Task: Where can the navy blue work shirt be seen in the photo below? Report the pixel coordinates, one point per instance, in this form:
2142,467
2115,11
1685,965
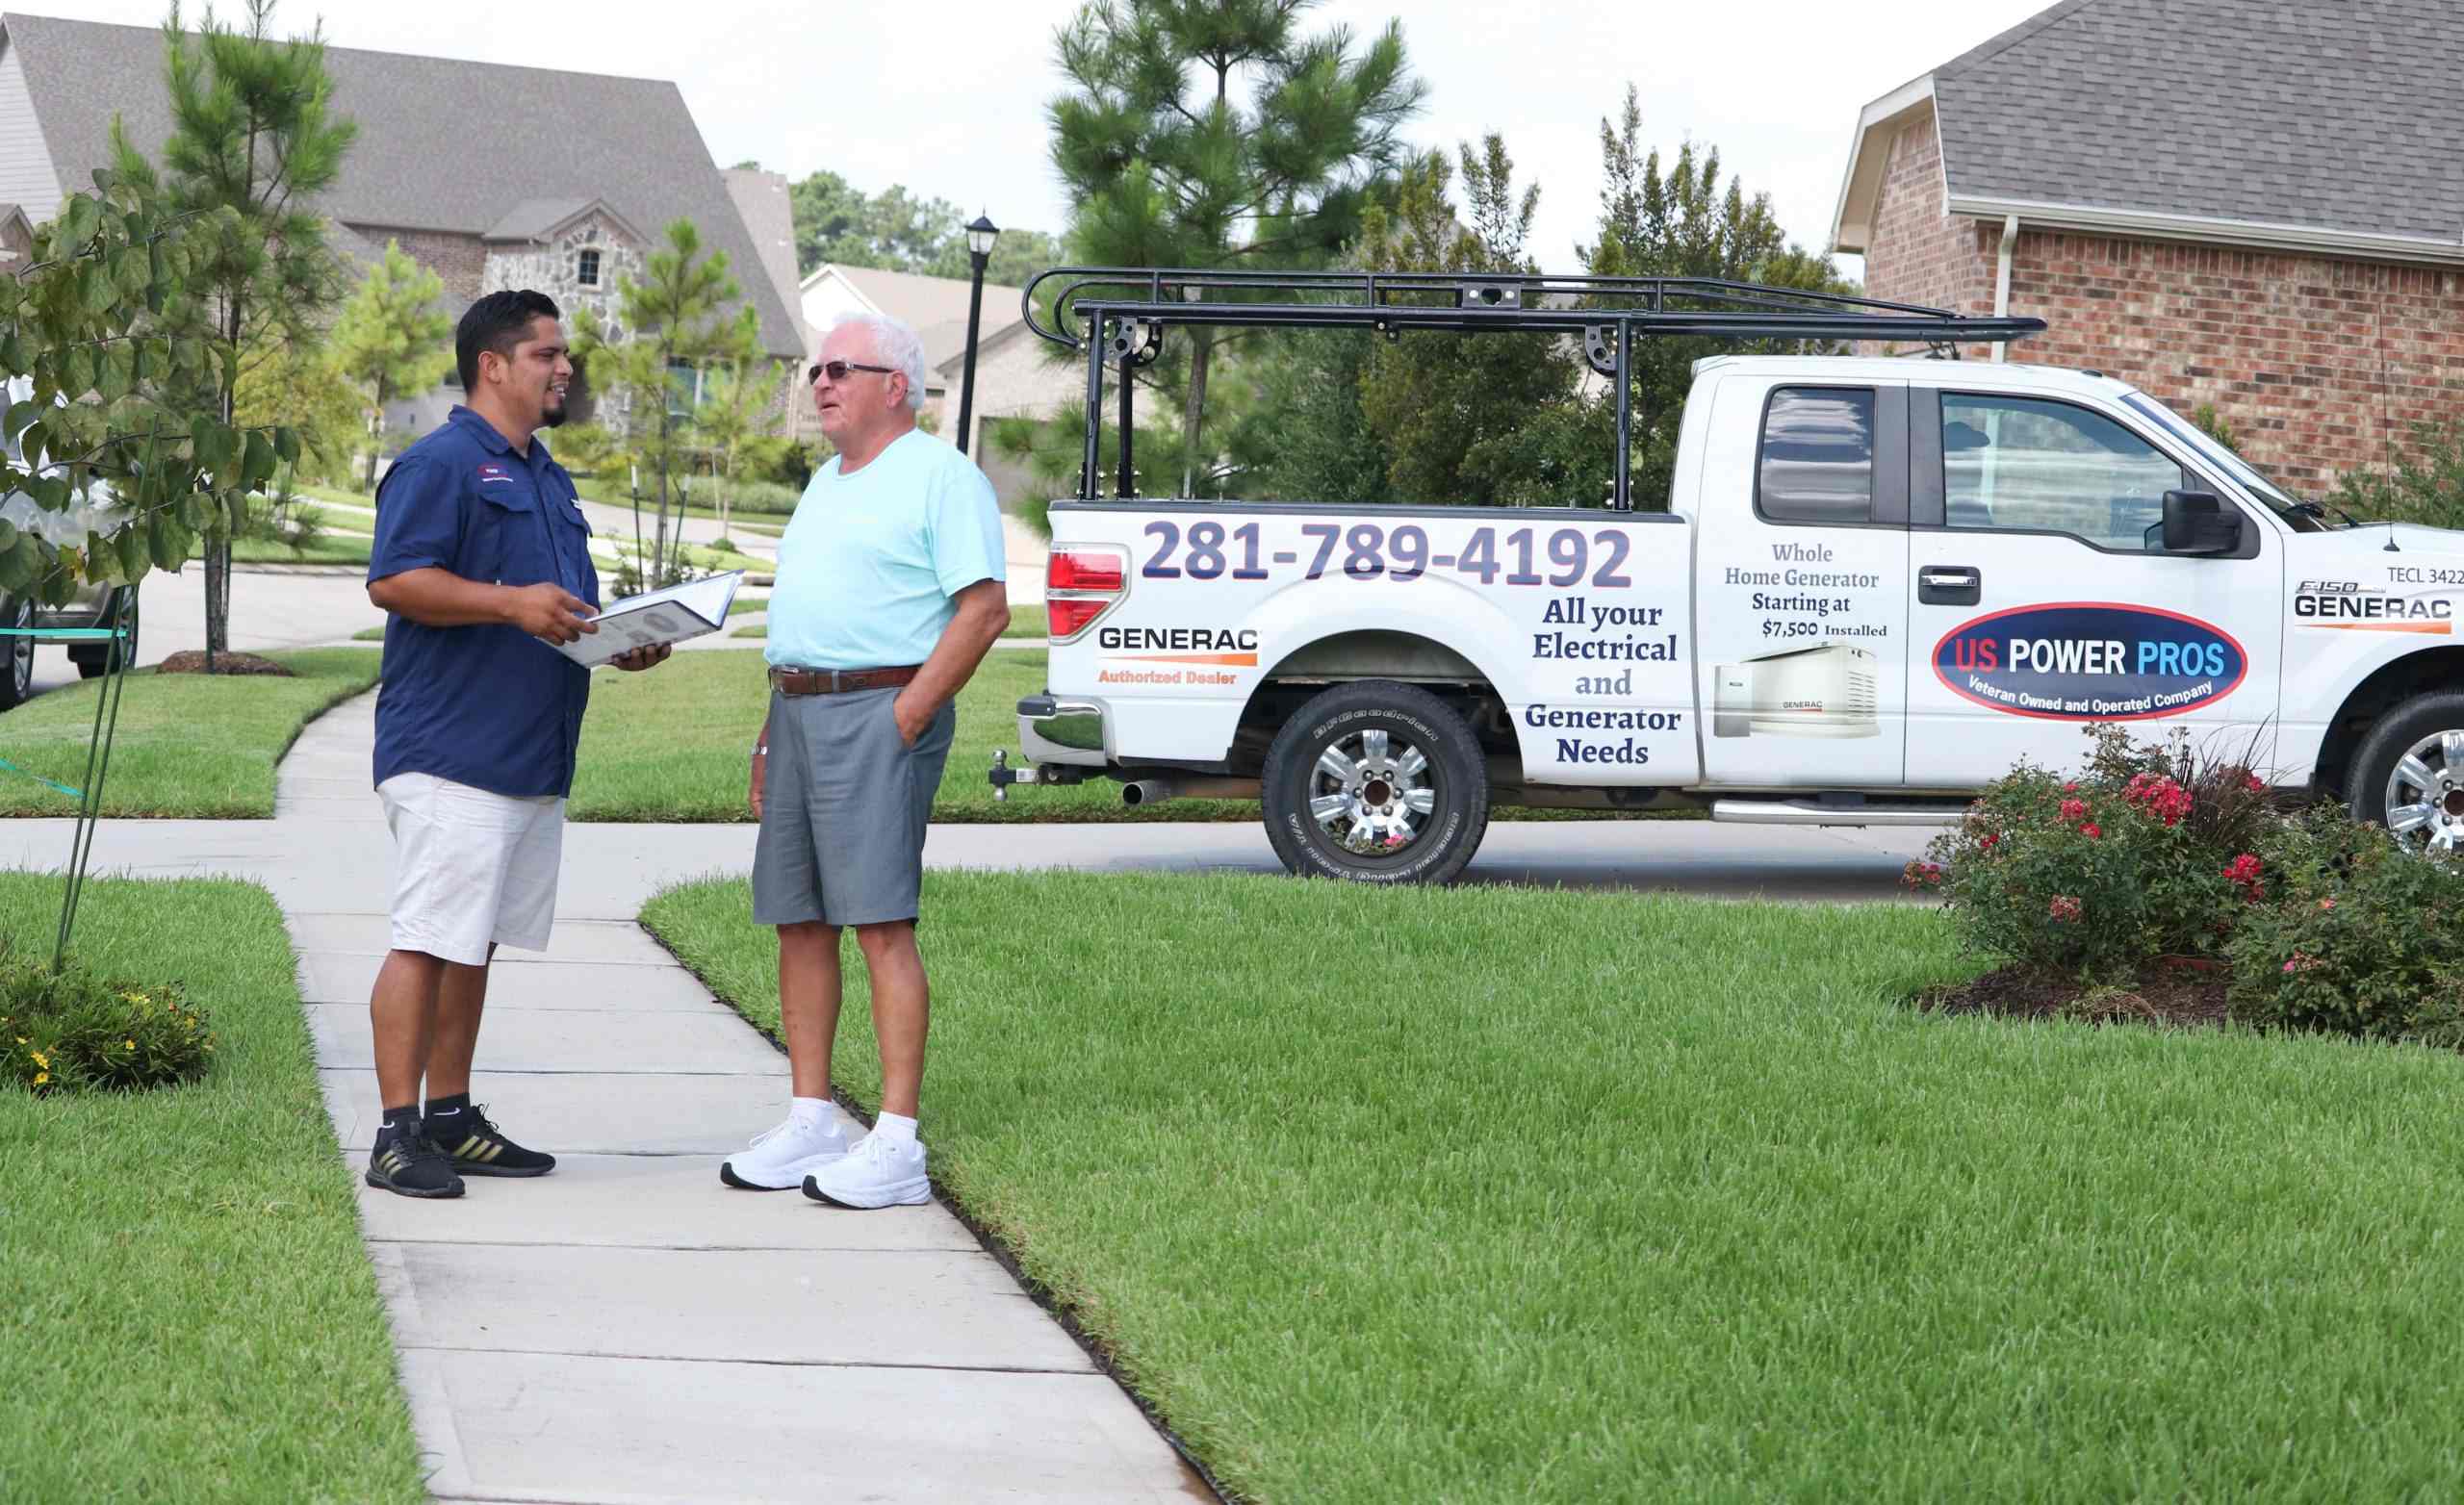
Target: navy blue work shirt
487,705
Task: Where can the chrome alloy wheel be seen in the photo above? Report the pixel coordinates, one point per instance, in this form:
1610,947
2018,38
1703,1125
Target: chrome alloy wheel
1370,792
2425,794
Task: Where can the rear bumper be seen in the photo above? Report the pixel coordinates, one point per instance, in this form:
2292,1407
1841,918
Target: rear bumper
1056,731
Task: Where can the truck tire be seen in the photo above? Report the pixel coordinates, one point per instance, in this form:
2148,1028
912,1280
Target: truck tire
2408,773
1376,783
17,668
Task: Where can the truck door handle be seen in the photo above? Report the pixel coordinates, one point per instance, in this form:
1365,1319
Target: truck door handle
1949,585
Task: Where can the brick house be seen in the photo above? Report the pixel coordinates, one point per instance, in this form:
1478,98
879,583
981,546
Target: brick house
2257,207
564,182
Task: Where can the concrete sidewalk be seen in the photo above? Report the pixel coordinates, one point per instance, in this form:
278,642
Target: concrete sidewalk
627,1329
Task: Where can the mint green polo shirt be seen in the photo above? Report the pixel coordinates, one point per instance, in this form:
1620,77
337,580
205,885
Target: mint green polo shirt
871,562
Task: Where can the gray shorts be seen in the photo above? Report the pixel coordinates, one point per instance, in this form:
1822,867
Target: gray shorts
845,807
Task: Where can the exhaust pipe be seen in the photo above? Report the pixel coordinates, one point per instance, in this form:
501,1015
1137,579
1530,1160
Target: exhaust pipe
1145,791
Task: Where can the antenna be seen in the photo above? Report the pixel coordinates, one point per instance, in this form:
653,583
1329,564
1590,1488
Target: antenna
2391,547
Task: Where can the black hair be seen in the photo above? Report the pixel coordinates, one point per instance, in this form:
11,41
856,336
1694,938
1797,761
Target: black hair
497,323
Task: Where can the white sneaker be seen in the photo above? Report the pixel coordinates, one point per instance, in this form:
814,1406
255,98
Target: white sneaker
874,1174
784,1157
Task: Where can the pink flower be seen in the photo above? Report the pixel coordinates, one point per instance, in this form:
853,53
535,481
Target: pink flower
2071,787
2073,809
2090,830
2303,961
2257,785
1985,843
2063,909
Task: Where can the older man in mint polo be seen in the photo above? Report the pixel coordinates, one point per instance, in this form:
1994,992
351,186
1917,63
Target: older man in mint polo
889,591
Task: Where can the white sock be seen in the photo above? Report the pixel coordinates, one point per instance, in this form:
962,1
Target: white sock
807,1112
895,1129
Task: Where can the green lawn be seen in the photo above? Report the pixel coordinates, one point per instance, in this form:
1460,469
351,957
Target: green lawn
1025,621
671,745
188,746
1487,1194
189,1313
329,549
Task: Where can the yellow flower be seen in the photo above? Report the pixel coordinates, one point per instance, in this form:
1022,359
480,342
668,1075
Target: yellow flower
40,1060
41,1077
131,1044
134,998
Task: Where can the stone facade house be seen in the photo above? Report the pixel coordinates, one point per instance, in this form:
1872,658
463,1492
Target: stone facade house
2257,207
604,165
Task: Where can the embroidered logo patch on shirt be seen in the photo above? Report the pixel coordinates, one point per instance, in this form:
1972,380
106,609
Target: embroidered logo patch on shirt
494,473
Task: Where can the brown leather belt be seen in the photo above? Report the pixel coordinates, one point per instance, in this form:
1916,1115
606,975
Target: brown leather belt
839,681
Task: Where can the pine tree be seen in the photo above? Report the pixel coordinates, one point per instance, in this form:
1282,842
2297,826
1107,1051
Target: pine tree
1165,168
1682,223
678,327
253,132
390,339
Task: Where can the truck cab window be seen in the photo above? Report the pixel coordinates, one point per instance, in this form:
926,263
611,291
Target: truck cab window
2032,465
1817,463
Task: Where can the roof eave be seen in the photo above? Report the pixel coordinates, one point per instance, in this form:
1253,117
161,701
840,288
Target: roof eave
2314,239
1861,187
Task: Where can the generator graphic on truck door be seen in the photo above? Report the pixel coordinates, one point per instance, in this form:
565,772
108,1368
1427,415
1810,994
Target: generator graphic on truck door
1800,692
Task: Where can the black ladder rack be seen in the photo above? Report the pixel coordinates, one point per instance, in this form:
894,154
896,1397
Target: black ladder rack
1122,311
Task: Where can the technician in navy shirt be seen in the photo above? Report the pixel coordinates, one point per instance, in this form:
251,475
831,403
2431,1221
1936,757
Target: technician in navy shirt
483,558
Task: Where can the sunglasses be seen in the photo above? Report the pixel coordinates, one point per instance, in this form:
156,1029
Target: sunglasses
837,370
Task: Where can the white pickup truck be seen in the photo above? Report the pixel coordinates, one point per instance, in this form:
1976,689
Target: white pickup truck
1878,583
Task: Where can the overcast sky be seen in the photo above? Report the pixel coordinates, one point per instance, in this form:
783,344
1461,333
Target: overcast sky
948,98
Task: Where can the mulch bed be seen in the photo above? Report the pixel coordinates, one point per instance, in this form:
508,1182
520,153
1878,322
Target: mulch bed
192,662
2179,993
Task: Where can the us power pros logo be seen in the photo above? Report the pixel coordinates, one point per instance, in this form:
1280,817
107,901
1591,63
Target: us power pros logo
2350,606
2090,661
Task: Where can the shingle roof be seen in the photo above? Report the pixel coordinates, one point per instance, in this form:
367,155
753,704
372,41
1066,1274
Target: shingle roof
762,199
2338,115
420,162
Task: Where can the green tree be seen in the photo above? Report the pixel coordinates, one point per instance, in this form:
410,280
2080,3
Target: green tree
254,138
1682,223
678,327
1496,418
115,429
1165,168
390,339
740,405
299,386
895,231
2425,483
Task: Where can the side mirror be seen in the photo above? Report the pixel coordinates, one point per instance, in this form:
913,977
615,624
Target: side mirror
2199,523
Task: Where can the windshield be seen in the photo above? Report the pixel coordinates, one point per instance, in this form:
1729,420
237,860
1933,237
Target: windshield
2300,515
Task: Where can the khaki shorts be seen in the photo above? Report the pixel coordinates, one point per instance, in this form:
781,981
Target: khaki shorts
471,867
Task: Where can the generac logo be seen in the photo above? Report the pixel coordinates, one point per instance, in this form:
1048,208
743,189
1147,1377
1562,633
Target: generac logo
1236,647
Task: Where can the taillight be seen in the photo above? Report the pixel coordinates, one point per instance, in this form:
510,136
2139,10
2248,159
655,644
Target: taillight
1085,570
1067,617
1081,584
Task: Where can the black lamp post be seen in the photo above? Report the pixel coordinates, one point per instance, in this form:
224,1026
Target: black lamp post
980,236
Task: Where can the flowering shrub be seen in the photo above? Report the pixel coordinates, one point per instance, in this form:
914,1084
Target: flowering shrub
2357,936
2152,851
71,1031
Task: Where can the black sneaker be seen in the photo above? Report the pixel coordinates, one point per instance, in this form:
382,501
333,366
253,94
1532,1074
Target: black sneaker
477,1147
411,1165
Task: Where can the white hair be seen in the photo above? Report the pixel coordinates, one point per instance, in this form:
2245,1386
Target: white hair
894,345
